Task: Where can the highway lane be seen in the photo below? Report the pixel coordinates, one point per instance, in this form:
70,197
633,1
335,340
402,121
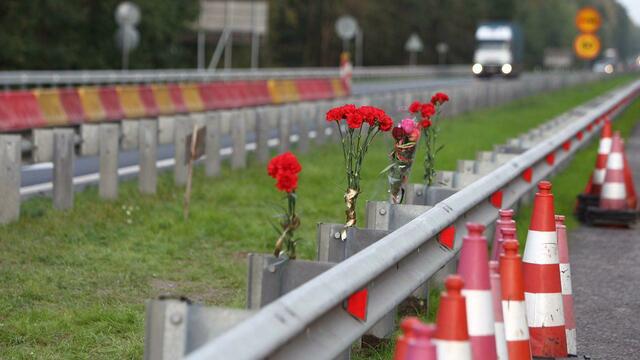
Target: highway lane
36,178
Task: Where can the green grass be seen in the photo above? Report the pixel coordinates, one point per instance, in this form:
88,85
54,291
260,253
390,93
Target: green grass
73,283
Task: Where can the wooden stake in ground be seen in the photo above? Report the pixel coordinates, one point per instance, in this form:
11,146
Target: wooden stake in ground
195,150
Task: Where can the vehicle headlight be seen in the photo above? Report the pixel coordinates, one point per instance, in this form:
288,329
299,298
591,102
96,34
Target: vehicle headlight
476,68
506,69
608,68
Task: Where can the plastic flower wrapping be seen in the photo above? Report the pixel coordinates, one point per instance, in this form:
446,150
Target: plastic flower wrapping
406,136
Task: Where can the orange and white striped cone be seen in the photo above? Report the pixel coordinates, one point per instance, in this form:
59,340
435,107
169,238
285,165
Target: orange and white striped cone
415,342
565,281
496,295
604,148
474,271
514,310
541,268
452,337
505,219
614,191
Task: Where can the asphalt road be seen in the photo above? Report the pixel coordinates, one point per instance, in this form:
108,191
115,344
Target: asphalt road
605,269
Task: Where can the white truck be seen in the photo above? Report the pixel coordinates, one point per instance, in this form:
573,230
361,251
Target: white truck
499,50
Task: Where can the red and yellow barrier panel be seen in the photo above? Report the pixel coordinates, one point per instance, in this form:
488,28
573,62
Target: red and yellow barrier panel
25,109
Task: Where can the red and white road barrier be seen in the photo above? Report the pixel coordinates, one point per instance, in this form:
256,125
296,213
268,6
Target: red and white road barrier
505,219
604,148
543,291
514,310
415,341
451,337
614,191
496,296
474,270
565,282
632,198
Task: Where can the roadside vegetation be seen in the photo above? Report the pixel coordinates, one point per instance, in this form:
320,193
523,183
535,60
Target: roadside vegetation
73,284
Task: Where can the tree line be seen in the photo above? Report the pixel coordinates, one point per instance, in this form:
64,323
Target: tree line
79,34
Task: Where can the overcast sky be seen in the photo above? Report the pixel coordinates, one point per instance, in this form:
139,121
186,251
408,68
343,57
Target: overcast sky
633,9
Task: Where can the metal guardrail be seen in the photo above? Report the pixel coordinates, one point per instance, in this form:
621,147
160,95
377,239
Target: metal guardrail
310,320
58,78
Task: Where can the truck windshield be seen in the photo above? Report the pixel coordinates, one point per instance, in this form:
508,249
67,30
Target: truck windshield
493,45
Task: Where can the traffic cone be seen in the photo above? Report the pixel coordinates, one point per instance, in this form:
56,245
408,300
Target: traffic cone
415,342
604,148
451,337
516,329
632,199
496,295
565,281
505,220
614,192
543,292
474,271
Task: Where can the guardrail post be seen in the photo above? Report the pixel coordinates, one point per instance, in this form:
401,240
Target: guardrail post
148,140
212,145
166,330
109,149
10,167
63,161
284,128
304,113
182,127
239,138
265,117
89,139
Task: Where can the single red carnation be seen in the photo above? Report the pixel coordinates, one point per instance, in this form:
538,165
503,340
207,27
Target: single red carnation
415,107
385,123
340,112
439,98
354,120
425,123
287,181
283,163
427,110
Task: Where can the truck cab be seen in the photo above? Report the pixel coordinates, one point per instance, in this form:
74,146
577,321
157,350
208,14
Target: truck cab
498,51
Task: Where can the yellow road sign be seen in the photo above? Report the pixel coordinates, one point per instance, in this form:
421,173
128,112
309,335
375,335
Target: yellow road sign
587,46
588,20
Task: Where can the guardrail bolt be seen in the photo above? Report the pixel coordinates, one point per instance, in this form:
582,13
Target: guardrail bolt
336,235
176,319
383,212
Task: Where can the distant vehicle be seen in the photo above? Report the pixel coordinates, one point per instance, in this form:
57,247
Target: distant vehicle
499,50
609,63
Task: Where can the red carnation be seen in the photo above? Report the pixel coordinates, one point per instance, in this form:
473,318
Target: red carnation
425,123
340,113
287,181
415,107
427,110
439,98
385,123
354,120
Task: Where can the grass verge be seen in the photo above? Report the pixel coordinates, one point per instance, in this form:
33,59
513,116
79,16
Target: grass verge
73,283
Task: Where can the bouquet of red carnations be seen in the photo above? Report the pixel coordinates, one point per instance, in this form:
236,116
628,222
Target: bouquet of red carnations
362,125
406,136
285,168
429,113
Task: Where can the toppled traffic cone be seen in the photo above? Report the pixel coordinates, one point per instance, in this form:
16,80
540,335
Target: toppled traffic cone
565,282
516,329
592,191
452,337
632,199
613,207
415,342
542,287
496,296
474,271
505,220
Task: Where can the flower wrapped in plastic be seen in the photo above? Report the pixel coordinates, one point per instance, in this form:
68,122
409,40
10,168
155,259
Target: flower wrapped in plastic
406,136
429,113
358,126
285,168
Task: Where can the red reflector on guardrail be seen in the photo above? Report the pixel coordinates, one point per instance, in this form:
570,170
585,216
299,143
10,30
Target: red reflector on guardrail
550,159
447,237
527,175
496,199
356,304
567,145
